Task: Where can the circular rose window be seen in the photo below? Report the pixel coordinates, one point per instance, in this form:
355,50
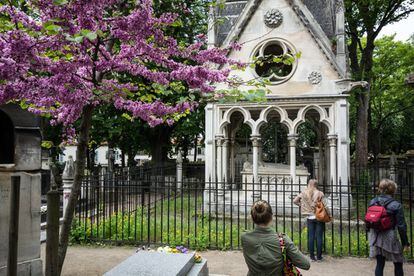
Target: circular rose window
275,60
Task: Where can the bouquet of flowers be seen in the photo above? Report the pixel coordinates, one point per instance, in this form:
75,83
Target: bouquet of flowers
179,249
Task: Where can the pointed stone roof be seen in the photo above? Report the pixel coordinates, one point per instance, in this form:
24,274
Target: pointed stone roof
229,15
317,15
323,12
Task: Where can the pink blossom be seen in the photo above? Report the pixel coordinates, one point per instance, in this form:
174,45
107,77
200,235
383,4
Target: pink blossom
74,63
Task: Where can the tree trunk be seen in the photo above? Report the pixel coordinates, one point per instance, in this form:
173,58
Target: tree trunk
195,148
79,172
363,109
131,158
122,159
159,147
362,130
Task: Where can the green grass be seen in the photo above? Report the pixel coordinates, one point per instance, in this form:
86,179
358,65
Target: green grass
180,221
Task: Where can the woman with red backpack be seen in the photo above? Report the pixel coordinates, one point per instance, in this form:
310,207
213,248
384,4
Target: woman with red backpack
385,215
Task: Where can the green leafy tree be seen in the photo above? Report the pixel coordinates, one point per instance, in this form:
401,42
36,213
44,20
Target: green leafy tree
365,20
392,101
188,131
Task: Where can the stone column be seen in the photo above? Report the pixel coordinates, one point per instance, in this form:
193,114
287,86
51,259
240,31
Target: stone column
67,181
211,35
292,153
209,151
256,144
316,165
179,170
332,157
232,160
393,173
340,34
255,167
343,159
219,159
225,160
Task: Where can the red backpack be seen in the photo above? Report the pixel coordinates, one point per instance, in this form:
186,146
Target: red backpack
377,217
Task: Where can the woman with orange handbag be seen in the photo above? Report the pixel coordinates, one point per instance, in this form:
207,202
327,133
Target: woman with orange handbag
308,200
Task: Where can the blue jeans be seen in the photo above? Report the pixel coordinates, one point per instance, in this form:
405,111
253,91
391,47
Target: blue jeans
315,232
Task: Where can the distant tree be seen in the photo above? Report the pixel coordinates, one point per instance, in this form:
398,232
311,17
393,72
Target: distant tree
189,132
392,101
364,21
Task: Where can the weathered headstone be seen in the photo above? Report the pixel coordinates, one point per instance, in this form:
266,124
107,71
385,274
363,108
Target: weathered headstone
179,170
68,176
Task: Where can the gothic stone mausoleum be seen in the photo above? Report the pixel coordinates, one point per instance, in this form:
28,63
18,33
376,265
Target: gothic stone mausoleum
268,142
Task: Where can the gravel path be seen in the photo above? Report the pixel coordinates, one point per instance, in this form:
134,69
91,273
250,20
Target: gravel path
91,261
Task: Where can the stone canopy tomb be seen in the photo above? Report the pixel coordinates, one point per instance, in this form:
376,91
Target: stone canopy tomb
248,142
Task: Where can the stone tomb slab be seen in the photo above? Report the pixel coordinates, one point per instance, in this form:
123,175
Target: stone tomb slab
146,263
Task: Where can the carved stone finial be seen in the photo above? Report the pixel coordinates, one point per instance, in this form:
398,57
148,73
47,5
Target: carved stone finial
247,166
339,6
315,78
69,171
273,18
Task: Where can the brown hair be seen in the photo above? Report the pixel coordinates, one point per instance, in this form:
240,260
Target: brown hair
261,212
387,186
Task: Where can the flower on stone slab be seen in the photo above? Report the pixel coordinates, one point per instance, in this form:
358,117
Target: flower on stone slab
197,258
182,249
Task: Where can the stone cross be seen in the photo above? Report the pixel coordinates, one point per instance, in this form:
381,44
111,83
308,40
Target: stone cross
67,180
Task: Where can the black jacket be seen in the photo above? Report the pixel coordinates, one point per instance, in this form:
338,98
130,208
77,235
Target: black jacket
395,209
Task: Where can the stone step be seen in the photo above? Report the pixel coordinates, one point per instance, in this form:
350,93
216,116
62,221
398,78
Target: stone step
199,269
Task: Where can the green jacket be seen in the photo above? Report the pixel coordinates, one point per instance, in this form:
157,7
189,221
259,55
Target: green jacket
263,255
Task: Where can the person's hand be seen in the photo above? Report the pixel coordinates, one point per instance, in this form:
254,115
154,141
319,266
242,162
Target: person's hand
406,248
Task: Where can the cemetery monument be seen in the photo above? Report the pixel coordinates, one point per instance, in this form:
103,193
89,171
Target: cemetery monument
315,88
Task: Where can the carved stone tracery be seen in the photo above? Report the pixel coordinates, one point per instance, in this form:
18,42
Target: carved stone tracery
315,77
339,6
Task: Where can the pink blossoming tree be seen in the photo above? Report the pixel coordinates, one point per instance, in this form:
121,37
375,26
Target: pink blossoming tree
64,58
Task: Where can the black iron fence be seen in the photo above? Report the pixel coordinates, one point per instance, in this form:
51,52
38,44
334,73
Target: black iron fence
158,210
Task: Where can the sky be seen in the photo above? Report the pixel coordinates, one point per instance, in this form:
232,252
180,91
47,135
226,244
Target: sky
403,29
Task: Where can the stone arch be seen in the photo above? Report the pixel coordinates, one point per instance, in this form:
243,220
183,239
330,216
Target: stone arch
6,139
227,118
284,119
324,118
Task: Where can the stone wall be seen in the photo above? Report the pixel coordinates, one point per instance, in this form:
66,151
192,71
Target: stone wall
29,262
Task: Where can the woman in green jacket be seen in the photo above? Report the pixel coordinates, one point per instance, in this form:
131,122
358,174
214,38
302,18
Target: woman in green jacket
261,247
